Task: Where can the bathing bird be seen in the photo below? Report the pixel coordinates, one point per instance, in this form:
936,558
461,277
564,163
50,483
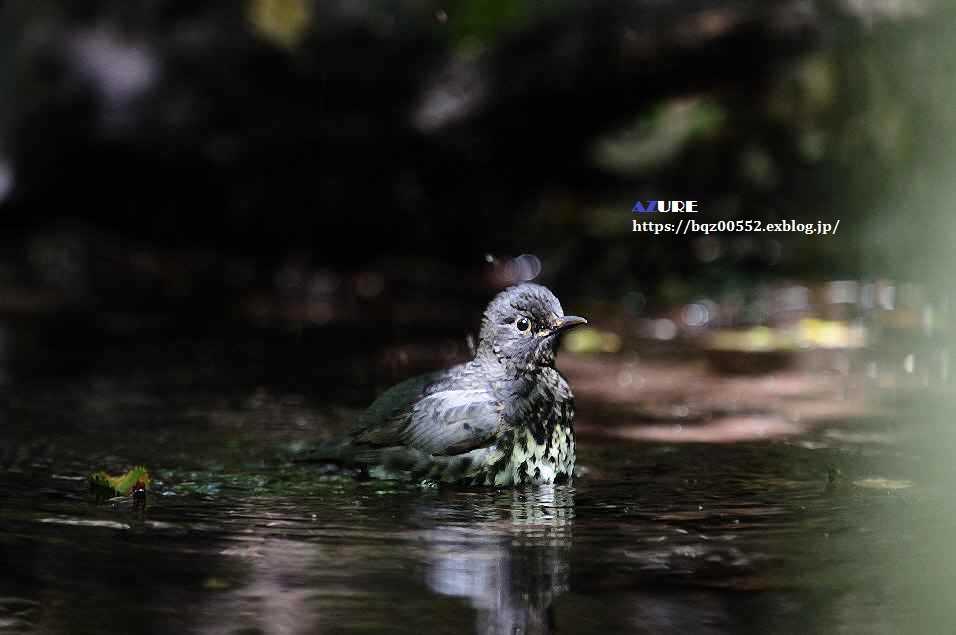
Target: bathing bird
504,418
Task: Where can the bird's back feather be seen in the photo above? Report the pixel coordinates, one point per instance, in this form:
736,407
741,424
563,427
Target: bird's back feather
439,414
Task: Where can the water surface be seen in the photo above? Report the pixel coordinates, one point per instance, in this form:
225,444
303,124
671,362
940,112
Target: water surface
782,535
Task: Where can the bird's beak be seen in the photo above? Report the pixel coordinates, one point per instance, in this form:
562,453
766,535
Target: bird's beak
568,322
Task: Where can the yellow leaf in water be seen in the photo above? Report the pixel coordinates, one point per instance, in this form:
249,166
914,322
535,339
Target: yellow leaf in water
757,339
122,484
591,340
830,334
882,483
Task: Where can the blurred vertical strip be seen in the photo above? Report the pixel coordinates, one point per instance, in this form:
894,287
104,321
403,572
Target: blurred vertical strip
916,232
8,43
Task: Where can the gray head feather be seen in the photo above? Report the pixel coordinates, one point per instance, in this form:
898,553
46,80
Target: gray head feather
521,327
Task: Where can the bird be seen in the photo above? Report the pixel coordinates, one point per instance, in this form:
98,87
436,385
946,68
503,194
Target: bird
505,418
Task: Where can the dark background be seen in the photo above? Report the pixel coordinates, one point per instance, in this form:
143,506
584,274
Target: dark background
194,160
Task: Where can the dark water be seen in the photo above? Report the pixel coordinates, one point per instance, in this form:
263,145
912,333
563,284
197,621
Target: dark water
238,538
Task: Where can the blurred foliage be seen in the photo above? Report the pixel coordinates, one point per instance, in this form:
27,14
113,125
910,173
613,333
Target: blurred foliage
473,25
284,21
380,136
658,136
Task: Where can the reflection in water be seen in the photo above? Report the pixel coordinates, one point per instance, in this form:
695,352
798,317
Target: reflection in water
506,552
267,602
510,573
716,539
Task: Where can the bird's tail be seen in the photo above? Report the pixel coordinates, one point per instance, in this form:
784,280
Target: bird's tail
335,451
336,457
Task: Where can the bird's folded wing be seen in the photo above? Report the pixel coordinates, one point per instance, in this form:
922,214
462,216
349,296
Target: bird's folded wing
453,422
395,402
445,422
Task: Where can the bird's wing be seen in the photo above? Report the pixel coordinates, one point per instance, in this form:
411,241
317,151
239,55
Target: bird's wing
441,422
453,422
376,425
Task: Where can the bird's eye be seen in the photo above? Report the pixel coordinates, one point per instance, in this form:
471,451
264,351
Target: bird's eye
522,324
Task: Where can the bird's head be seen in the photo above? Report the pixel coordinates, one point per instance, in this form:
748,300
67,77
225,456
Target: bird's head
522,326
